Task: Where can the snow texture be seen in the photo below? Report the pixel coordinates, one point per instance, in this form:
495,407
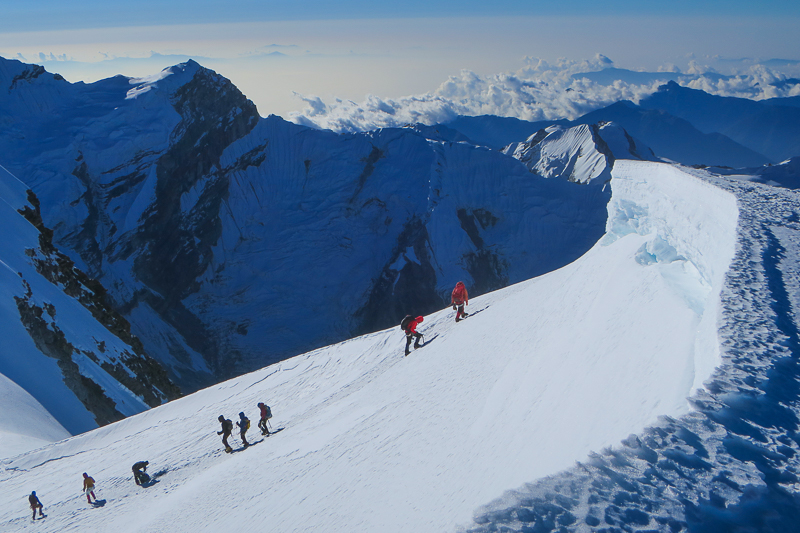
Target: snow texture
785,174
24,423
541,373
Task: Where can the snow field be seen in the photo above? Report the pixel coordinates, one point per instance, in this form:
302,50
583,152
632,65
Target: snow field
24,423
541,374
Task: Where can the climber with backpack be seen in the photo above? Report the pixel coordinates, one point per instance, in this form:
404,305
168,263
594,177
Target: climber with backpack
140,476
227,428
266,414
244,425
459,299
409,327
88,487
36,504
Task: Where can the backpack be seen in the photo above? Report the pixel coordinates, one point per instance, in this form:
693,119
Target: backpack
269,412
405,322
246,424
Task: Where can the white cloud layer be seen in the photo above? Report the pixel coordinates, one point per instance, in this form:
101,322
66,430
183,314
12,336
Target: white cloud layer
538,91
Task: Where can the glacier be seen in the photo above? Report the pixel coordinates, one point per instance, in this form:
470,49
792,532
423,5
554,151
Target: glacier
544,373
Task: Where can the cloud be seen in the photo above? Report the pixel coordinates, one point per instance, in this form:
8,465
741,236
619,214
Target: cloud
538,91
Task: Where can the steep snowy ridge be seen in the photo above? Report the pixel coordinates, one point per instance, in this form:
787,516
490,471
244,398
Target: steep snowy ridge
732,464
67,360
541,373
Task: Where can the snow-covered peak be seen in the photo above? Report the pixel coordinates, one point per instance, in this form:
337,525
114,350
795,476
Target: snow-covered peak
623,145
182,196
579,154
168,79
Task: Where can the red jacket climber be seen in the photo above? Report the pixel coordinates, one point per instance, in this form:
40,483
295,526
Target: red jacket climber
459,299
409,326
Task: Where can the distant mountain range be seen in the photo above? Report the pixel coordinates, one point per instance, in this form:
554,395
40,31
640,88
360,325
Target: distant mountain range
678,123
767,127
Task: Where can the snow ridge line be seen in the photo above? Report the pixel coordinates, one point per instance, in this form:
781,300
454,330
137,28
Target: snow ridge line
731,465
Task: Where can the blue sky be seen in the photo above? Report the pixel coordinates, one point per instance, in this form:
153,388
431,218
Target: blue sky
31,15
351,48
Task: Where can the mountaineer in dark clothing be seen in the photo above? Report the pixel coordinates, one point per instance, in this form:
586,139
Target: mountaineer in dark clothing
227,427
139,474
266,414
35,504
244,425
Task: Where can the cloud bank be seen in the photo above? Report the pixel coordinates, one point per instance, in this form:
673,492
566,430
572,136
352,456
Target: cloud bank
538,91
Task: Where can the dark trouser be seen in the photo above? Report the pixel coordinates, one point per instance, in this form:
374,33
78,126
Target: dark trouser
225,440
241,436
409,336
262,425
460,312
34,507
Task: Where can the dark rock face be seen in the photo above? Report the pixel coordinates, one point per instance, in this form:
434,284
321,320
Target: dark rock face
51,341
30,73
486,266
411,289
137,371
214,115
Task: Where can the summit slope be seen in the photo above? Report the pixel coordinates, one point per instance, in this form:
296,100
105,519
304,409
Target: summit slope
541,373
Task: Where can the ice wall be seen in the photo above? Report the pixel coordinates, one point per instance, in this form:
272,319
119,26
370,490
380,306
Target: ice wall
691,229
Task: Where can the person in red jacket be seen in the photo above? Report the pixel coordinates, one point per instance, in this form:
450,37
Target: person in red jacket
409,326
459,299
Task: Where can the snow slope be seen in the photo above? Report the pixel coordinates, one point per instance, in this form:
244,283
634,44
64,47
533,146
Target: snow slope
539,375
24,423
785,174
